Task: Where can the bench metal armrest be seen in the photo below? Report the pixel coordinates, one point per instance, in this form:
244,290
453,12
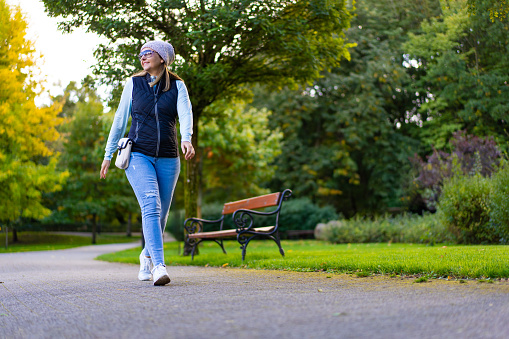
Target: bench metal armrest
194,225
243,218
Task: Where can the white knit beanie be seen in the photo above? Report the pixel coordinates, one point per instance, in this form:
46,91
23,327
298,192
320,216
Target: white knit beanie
164,49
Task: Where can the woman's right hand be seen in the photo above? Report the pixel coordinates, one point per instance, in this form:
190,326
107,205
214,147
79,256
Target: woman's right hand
104,168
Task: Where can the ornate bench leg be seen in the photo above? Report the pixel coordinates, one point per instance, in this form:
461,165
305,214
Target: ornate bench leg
277,240
192,253
243,244
193,249
243,252
220,243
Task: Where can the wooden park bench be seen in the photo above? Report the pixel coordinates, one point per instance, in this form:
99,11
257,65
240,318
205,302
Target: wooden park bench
243,212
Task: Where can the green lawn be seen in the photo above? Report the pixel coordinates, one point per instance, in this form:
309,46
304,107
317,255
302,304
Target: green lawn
43,241
362,259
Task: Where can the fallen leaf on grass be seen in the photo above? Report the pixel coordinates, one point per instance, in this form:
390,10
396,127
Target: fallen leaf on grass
224,265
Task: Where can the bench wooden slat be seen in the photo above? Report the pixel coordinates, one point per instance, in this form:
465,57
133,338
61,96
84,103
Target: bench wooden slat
252,203
227,233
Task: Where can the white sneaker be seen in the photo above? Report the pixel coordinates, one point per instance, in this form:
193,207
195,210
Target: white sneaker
145,266
161,277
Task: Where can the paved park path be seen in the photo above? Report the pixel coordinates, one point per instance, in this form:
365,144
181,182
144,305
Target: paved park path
68,294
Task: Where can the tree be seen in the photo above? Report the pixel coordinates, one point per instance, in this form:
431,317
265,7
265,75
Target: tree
220,45
462,83
28,165
238,152
347,138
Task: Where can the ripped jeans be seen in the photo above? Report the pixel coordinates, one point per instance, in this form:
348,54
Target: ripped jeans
153,181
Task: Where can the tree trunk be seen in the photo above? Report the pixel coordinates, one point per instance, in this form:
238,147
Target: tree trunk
14,235
191,183
94,228
129,225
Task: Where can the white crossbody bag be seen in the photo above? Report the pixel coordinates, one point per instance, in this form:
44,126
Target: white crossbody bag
124,153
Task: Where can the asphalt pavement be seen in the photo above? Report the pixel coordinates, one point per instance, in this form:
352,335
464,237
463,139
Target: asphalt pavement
68,294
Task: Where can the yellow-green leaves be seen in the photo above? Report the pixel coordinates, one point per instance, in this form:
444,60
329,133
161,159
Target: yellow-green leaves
28,165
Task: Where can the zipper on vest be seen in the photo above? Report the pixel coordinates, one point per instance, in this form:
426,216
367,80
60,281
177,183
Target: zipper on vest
158,131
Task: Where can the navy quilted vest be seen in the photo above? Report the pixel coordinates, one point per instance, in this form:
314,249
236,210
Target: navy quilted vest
155,121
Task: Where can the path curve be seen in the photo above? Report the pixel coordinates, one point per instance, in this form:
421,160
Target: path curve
68,294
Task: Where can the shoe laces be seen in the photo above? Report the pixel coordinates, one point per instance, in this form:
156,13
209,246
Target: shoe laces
159,267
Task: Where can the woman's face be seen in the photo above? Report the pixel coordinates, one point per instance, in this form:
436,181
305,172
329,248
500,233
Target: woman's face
151,61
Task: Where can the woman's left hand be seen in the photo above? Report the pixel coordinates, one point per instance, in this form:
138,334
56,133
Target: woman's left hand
187,149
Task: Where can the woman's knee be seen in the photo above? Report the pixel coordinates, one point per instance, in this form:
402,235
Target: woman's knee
151,203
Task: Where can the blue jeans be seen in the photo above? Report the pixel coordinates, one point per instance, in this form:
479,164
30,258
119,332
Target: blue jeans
153,181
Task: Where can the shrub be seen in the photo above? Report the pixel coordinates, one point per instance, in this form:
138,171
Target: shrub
471,154
464,209
499,204
410,228
303,214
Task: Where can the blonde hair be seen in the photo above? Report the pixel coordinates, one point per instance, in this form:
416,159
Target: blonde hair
164,72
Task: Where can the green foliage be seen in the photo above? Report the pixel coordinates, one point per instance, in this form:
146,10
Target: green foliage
311,256
220,45
237,149
463,85
499,204
303,214
475,208
498,9
464,207
347,138
408,228
469,154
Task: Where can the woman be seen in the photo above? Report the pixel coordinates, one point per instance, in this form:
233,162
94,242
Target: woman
154,98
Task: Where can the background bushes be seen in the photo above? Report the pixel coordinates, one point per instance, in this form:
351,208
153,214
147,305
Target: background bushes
499,204
473,209
464,209
409,228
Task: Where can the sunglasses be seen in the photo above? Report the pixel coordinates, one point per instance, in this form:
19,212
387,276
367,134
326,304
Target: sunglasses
146,53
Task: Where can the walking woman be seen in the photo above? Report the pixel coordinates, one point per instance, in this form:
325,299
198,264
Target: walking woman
154,98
